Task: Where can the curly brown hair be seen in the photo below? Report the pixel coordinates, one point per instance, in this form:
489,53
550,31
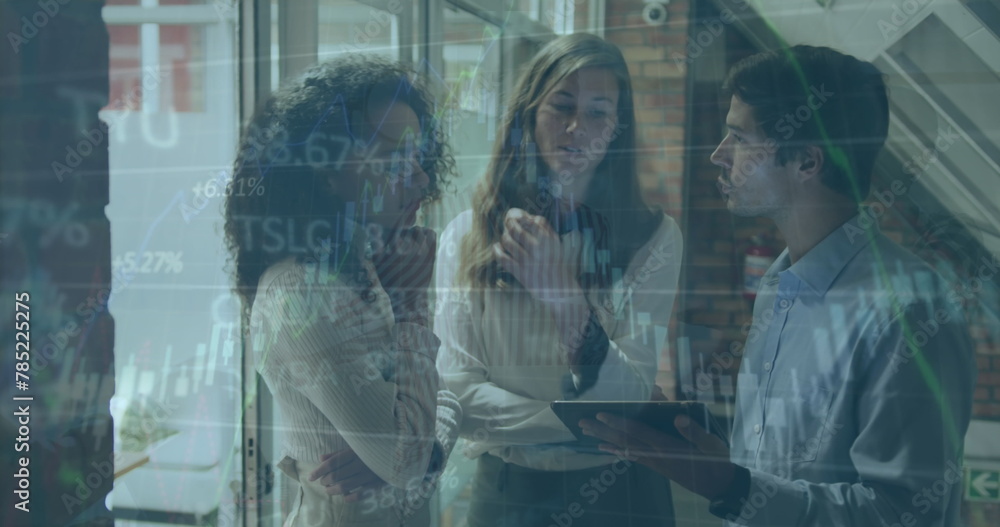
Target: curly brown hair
295,140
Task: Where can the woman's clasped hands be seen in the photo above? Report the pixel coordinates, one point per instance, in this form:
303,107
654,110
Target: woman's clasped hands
532,252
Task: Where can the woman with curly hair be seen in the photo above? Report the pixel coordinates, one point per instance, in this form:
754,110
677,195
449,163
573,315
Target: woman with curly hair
563,289
333,276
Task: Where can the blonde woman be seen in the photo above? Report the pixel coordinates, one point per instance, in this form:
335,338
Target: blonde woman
558,284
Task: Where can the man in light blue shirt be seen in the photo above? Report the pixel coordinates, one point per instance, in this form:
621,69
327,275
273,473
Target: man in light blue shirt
855,388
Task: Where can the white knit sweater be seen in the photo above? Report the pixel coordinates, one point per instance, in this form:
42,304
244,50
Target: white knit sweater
346,375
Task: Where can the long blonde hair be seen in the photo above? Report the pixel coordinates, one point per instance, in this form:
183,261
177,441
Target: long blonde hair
516,177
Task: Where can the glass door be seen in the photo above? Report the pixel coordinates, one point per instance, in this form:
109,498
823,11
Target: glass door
171,131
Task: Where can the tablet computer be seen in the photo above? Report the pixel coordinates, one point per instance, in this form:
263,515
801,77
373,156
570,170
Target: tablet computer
655,414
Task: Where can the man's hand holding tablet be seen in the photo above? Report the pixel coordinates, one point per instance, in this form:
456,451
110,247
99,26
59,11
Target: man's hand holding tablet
657,413
699,462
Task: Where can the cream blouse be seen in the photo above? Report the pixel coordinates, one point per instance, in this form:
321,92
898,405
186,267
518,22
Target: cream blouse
346,375
501,353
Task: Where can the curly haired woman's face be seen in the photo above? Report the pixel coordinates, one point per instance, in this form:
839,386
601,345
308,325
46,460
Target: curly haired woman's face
384,178
575,123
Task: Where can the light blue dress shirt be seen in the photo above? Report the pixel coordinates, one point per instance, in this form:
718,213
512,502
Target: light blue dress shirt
855,390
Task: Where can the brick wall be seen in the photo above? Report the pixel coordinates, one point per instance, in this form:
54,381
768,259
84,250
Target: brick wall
659,94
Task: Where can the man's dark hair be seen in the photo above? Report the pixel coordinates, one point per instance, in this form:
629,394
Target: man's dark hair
806,95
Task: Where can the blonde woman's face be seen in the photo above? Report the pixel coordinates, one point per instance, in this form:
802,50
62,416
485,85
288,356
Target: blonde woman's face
576,121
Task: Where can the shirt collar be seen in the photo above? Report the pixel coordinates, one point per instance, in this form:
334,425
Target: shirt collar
819,267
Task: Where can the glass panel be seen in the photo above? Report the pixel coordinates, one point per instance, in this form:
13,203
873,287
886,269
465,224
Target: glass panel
151,3
473,81
180,60
530,8
342,26
350,26
172,134
560,16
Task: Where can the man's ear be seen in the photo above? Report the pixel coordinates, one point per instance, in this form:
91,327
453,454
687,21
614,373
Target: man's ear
810,161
